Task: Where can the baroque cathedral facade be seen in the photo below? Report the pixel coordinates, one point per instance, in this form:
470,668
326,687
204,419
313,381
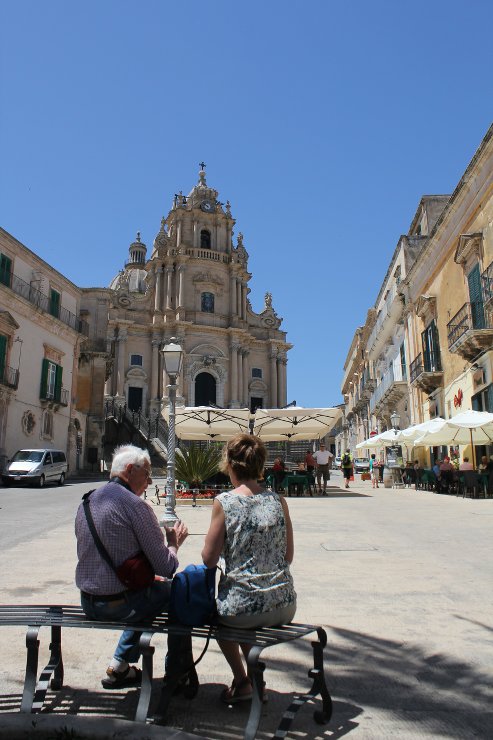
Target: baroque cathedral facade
193,287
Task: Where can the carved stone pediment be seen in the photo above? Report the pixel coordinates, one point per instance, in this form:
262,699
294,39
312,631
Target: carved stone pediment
469,249
426,307
8,323
207,278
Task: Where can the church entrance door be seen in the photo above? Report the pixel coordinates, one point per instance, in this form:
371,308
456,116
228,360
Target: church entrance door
205,389
134,398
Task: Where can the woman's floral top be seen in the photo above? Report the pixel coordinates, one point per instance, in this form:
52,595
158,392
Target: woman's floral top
255,576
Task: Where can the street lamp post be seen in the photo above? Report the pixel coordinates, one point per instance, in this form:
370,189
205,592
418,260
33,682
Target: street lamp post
172,358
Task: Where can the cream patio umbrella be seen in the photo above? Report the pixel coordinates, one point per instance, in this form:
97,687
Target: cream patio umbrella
294,423
384,439
410,434
209,422
468,427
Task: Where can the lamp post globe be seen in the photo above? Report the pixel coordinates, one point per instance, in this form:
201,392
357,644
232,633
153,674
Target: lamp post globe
172,360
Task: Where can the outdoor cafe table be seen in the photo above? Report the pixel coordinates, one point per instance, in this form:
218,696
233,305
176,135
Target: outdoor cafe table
292,479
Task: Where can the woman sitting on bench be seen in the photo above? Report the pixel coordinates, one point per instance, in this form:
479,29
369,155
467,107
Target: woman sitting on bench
251,530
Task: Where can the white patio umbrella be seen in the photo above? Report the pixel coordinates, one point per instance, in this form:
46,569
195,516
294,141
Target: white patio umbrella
209,422
384,439
294,423
468,427
410,434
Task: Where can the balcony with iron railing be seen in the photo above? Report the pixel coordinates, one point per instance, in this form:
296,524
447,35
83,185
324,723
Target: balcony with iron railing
9,377
388,316
391,388
43,302
470,332
427,373
487,284
56,397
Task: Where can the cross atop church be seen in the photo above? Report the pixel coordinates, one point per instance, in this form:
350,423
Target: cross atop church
202,165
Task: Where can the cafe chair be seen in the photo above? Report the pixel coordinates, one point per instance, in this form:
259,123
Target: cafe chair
470,483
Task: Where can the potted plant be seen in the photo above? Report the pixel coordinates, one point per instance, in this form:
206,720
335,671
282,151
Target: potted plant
194,465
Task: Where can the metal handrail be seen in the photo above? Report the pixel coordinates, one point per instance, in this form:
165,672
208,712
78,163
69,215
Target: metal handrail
43,302
470,316
9,377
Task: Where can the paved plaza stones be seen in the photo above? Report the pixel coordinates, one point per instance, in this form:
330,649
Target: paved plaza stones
401,580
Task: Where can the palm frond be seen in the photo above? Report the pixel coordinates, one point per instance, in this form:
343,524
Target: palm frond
195,465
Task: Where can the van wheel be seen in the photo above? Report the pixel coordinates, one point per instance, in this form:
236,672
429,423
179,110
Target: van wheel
62,479
41,481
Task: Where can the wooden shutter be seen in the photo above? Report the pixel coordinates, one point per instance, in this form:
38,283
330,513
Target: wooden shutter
58,382
476,298
3,355
5,269
44,378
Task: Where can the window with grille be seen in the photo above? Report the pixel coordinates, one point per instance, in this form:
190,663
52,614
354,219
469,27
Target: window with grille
256,372
136,360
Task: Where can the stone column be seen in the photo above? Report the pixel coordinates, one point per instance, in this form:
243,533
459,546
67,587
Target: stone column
279,381
246,376
273,379
238,298
122,351
284,398
181,286
233,295
195,235
233,366
169,285
157,290
243,301
240,377
155,369
178,234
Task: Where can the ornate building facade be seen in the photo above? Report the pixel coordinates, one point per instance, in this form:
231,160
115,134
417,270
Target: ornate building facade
194,287
426,348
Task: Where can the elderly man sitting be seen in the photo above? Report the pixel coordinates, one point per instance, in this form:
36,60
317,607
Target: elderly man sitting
126,525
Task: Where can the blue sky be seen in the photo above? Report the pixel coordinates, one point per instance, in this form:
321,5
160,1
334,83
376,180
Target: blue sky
322,122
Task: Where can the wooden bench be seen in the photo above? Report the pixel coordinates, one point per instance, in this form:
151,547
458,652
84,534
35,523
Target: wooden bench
58,616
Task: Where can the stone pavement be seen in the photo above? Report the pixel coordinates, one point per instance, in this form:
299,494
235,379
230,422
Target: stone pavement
402,581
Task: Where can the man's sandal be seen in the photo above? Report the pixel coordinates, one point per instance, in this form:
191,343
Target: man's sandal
131,676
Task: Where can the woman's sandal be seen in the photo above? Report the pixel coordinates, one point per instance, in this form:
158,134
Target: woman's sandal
233,694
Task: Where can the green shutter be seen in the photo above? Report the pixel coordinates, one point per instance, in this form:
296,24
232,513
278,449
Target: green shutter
58,382
54,303
3,355
476,298
44,378
5,269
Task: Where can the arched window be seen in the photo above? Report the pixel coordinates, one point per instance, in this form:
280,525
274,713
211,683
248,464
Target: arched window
207,302
205,239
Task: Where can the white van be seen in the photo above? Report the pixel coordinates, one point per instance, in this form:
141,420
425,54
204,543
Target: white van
36,467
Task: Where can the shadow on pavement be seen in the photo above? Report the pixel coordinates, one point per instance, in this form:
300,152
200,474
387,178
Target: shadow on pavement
430,695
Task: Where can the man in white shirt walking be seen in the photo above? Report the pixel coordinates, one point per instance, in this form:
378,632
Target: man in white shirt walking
323,458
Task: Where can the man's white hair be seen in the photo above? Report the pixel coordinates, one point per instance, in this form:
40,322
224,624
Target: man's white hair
128,455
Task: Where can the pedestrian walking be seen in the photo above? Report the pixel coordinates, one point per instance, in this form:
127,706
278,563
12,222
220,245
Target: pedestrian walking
322,458
347,466
374,471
